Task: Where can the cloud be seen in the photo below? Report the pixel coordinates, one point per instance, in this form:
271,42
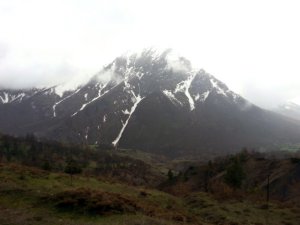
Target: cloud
106,75
53,41
176,62
3,51
40,75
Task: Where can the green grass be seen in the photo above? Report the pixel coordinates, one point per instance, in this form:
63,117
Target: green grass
22,190
25,194
241,212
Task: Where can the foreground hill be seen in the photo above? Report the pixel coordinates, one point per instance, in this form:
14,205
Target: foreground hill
33,196
150,101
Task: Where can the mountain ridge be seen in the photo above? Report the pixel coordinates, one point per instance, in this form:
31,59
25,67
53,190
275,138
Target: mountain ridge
149,101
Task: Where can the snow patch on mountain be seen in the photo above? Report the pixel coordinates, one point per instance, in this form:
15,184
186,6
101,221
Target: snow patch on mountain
184,87
138,99
202,97
20,97
126,112
171,96
100,94
9,98
87,133
187,93
4,99
57,103
140,75
48,91
217,87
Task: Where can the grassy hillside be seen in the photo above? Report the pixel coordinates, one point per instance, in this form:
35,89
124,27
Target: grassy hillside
36,195
33,196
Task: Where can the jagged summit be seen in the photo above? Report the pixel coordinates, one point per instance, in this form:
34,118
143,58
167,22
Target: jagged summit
154,101
151,71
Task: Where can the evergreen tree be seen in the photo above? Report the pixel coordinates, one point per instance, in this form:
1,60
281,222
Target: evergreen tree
170,175
72,168
235,174
208,173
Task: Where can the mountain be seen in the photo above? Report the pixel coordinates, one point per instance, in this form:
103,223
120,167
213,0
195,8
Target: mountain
151,101
289,109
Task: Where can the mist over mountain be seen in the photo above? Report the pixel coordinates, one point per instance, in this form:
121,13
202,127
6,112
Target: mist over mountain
153,101
290,109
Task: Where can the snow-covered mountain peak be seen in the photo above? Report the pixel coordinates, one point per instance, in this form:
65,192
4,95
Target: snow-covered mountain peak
149,62
129,78
166,72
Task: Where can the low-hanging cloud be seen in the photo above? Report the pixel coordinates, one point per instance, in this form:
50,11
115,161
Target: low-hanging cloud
178,63
40,75
271,96
3,51
39,49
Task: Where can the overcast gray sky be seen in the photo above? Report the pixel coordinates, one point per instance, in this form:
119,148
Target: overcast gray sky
252,46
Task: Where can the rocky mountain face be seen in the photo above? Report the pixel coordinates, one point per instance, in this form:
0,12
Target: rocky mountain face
149,101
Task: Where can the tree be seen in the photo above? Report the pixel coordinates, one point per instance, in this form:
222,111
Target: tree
46,165
208,173
170,175
235,174
72,168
